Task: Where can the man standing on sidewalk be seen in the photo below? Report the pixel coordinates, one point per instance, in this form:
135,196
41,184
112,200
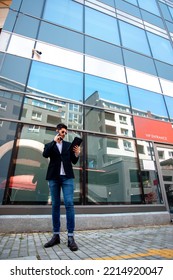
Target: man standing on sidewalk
60,175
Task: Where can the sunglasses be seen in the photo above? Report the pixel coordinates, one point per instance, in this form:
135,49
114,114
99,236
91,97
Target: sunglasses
64,132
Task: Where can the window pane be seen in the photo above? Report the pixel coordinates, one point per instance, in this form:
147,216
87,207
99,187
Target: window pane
149,178
169,104
10,20
134,2
155,20
164,70
149,5
164,52
148,104
60,36
103,50
50,111
165,11
101,26
17,74
66,12
34,10
134,38
108,122
59,81
7,135
109,162
108,2
10,104
106,93
127,8
139,62
26,26
28,183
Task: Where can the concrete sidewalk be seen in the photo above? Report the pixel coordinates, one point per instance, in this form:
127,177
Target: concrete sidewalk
139,243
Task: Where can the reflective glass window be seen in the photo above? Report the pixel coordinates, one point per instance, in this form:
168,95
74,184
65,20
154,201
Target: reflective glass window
110,162
7,135
169,26
164,52
103,50
10,20
165,11
127,8
49,111
148,173
34,10
148,103
149,5
106,93
134,2
28,180
60,36
59,81
134,38
14,77
164,70
67,13
16,4
109,121
155,20
108,2
139,62
169,104
10,104
26,26
171,11
101,26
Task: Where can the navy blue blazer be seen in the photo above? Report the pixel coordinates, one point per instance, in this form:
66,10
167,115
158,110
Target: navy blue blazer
66,156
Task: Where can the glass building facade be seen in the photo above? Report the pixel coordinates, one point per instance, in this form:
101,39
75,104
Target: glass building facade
105,68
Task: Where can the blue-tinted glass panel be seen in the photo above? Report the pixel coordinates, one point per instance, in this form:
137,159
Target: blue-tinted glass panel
99,91
59,36
103,50
127,8
164,70
10,21
164,52
35,9
67,13
171,11
149,5
165,11
101,26
139,62
26,26
169,104
55,80
134,2
108,2
169,26
15,69
15,4
147,103
155,20
134,38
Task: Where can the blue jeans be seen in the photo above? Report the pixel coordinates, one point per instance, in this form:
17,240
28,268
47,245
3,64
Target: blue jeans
55,191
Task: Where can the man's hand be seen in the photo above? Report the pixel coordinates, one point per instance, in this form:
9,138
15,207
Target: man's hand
57,138
76,150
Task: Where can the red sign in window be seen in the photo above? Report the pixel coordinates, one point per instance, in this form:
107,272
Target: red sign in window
153,130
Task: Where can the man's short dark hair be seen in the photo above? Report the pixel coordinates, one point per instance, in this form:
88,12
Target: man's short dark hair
60,126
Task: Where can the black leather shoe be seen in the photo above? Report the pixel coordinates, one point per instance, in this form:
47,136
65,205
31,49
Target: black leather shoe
72,244
55,240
